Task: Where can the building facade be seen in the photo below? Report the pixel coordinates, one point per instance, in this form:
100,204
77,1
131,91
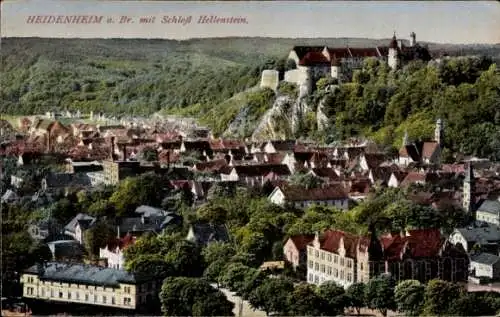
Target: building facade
57,282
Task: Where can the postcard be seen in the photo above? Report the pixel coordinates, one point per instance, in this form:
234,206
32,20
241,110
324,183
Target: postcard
250,158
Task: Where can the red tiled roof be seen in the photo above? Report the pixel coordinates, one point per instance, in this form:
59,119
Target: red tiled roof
301,241
331,241
314,58
429,148
275,158
295,193
211,166
419,243
364,52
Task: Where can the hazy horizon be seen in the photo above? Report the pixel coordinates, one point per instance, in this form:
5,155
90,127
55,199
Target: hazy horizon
440,22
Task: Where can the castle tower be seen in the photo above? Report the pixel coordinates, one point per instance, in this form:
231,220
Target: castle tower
413,38
335,68
438,132
393,55
468,188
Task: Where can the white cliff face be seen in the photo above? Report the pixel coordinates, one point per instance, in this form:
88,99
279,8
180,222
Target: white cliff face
275,123
321,118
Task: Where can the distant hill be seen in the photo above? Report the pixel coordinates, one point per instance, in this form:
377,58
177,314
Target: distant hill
142,76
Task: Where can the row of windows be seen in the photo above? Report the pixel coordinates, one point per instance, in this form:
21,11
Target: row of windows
336,259
78,296
31,280
332,271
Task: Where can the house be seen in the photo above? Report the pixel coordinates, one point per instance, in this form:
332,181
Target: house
382,174
44,229
147,223
113,251
481,234
274,146
428,152
489,211
295,249
253,175
396,178
78,225
330,195
370,161
485,265
328,175
148,211
104,289
204,233
64,180
417,254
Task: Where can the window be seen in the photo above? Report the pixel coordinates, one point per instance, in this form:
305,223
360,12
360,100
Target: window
317,253
104,299
349,263
336,273
86,297
311,264
322,255
311,277
322,268
77,295
342,261
113,300
95,298
329,270
316,279
335,259
43,291
316,266
60,295
51,292
127,301
349,277
69,295
361,266
341,274
329,258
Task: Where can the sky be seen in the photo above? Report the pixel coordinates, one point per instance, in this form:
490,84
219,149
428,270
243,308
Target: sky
434,21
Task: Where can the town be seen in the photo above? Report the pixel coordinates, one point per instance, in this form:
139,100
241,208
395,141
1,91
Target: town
108,214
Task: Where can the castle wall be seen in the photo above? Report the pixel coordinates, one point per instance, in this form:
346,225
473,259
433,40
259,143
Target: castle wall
269,79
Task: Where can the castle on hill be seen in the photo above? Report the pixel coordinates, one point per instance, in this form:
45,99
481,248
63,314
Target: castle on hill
315,62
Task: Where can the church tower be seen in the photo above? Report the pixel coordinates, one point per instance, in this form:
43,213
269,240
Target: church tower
438,132
468,189
393,56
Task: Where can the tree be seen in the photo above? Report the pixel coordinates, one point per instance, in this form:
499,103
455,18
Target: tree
151,266
212,214
334,298
214,305
409,297
304,301
214,271
253,279
306,180
439,297
218,251
272,295
184,296
98,236
379,294
186,259
356,296
234,276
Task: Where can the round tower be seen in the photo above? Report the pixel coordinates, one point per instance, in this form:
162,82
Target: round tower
393,56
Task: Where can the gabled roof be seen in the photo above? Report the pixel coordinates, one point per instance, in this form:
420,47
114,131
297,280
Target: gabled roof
330,192
301,241
480,234
261,169
429,148
301,51
283,145
485,258
416,244
490,206
205,233
72,224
